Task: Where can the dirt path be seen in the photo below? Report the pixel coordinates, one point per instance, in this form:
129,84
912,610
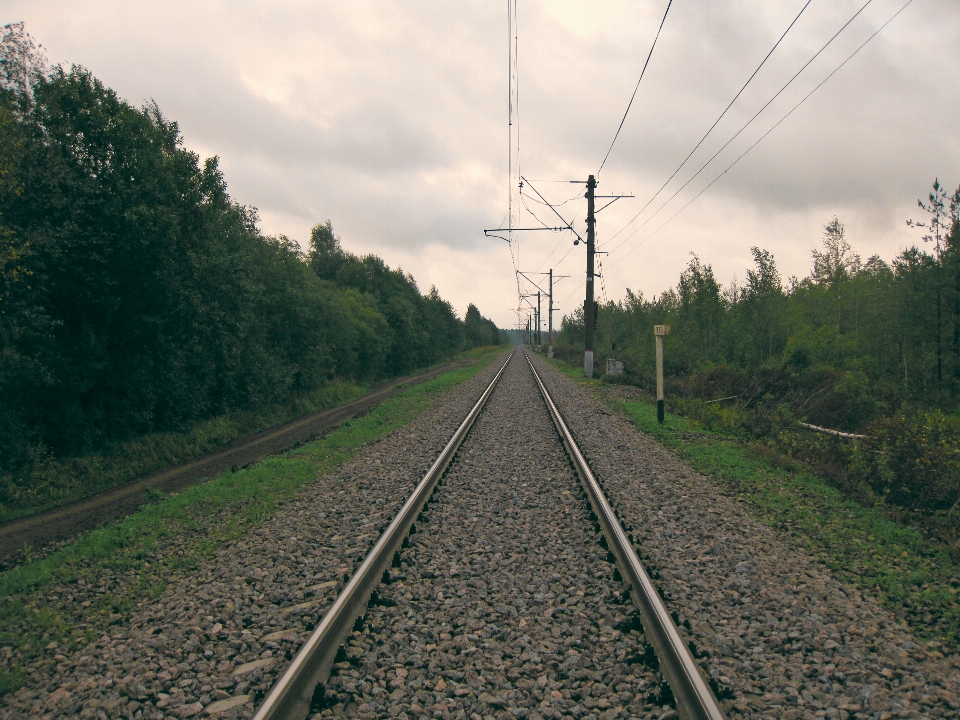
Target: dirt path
65,522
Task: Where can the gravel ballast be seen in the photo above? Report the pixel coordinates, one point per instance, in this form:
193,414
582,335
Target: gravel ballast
785,637
504,603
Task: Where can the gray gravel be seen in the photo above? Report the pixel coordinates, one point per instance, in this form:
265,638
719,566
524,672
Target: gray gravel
783,636
504,604
216,639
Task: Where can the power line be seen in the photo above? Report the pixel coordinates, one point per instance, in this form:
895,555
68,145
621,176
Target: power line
579,285
744,127
632,97
744,153
721,116
524,203
560,204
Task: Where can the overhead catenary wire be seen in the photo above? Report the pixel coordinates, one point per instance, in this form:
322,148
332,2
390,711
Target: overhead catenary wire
541,202
633,97
513,159
775,126
738,133
576,213
719,118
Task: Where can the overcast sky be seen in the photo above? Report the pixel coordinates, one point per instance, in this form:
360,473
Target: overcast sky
390,119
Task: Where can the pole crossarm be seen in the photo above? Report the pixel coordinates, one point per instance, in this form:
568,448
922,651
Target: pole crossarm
567,225
534,282
492,232
612,201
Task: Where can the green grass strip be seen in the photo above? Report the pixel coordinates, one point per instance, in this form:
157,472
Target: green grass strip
911,576
218,511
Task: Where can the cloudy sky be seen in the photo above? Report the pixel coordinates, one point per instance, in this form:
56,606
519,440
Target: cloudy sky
390,119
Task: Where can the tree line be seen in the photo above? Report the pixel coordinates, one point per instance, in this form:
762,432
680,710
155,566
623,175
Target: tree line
137,296
864,346
883,335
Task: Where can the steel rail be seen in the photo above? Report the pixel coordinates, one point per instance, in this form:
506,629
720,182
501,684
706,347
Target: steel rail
292,694
695,700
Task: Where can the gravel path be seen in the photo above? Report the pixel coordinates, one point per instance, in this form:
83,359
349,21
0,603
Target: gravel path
784,638
504,604
216,640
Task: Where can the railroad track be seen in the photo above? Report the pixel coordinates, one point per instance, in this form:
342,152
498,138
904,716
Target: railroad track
498,574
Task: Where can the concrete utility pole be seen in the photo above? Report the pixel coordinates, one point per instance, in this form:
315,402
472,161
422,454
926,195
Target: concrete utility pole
588,303
539,310
539,319
550,319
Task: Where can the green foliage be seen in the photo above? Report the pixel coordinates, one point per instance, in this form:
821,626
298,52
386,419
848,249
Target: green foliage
137,298
47,481
909,461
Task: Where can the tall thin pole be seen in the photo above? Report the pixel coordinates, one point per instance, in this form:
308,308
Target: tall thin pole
550,320
510,123
588,303
539,319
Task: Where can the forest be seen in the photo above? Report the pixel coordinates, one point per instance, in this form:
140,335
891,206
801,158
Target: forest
868,347
136,296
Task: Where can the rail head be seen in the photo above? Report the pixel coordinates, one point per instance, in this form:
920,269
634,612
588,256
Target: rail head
291,695
695,699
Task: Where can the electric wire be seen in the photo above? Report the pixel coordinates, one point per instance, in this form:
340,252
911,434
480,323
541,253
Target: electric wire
788,114
527,208
717,121
583,278
633,97
556,205
744,127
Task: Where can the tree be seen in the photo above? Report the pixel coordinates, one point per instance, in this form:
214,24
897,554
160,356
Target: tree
938,225
763,302
701,306
22,62
326,256
838,261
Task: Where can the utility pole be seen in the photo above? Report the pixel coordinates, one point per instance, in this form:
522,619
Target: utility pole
588,303
550,320
550,307
539,320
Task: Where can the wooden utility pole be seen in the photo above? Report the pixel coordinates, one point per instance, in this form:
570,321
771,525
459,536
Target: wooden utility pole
588,303
659,331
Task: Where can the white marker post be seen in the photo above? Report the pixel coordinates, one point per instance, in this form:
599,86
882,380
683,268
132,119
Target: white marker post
659,331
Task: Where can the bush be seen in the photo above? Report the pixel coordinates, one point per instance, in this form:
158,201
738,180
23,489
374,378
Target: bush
912,460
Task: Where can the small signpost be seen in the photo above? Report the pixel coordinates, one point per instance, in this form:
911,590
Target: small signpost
659,331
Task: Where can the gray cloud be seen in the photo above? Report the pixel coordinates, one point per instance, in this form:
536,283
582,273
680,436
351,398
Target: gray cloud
390,119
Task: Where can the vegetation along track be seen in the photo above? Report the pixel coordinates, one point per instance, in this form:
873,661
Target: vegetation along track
504,602
65,522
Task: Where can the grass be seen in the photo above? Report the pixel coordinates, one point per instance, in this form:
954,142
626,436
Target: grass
910,575
51,482
137,548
